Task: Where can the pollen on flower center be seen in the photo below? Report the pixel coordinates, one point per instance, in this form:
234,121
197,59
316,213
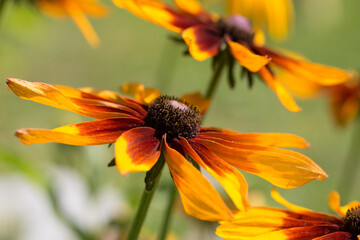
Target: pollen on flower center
238,28
174,117
352,222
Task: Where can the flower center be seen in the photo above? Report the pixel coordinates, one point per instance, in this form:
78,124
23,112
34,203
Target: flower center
174,117
352,222
238,28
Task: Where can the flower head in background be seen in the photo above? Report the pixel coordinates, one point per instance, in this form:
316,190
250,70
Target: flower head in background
155,124
231,38
296,223
77,10
275,15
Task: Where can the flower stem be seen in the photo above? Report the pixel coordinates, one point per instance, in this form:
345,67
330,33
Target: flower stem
219,66
166,220
145,203
346,183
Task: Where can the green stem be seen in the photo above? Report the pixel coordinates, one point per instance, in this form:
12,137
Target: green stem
346,183
145,203
166,220
215,78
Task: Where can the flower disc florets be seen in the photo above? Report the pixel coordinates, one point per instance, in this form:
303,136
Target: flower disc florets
238,28
352,222
173,116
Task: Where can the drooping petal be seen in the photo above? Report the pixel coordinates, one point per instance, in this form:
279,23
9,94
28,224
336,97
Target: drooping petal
278,198
198,196
283,168
159,13
197,100
284,96
137,150
86,133
335,236
334,203
317,73
204,41
245,57
264,139
140,93
64,98
232,180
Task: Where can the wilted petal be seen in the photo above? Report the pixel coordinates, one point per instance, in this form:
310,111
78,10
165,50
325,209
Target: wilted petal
204,41
86,133
198,196
137,150
334,203
283,168
231,179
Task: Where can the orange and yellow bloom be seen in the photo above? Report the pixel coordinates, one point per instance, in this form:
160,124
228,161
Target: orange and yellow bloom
77,10
276,15
155,124
208,35
295,223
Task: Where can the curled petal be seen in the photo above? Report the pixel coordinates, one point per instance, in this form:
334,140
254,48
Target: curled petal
137,150
232,180
204,41
263,139
140,93
198,100
198,196
334,203
87,133
283,168
284,96
245,57
278,198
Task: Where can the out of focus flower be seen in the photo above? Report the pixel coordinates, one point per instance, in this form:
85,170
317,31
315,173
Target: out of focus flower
155,124
275,15
296,223
209,36
77,11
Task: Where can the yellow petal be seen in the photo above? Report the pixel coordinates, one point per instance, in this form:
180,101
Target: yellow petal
277,197
334,203
198,196
140,93
197,100
137,150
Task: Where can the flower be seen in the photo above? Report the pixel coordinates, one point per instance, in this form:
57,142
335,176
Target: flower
276,15
208,36
296,223
155,124
77,10
345,100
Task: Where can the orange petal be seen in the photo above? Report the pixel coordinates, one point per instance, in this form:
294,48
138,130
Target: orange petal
64,98
245,57
334,203
335,236
283,168
86,133
284,96
278,198
232,180
137,150
198,196
140,93
190,6
264,139
159,13
316,73
203,40
197,100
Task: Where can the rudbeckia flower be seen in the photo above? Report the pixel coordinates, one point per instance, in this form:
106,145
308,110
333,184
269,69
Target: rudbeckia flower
155,124
296,223
276,15
345,100
209,36
77,10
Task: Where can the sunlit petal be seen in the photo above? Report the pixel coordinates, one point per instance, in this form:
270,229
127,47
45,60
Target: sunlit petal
197,100
277,197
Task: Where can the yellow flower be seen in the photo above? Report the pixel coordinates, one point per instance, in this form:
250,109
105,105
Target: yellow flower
77,10
295,223
208,36
152,124
276,15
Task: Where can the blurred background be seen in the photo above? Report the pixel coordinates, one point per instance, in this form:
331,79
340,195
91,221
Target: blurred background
54,191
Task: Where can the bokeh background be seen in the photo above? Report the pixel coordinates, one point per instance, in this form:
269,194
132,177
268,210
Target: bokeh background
54,191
